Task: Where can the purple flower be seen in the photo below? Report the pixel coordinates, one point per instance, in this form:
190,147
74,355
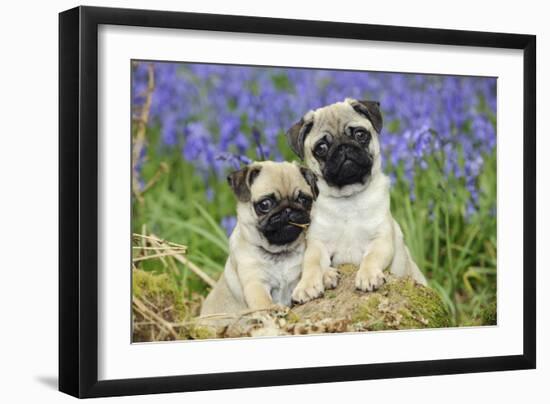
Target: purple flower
197,141
233,160
169,130
228,115
228,223
209,194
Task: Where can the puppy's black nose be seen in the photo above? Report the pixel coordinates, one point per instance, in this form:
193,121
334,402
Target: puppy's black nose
288,210
346,148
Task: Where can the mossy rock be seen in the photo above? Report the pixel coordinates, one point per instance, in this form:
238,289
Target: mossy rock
399,304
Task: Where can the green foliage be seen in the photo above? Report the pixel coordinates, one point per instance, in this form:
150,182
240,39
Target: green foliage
456,251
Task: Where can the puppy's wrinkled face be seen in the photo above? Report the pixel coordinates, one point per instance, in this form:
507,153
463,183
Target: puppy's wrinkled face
275,199
339,142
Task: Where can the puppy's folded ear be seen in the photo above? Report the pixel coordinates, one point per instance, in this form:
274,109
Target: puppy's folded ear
370,110
241,180
296,136
311,179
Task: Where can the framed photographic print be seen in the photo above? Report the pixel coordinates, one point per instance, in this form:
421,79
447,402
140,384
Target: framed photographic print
241,195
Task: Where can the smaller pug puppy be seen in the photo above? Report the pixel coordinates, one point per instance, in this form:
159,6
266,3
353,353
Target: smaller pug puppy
352,222
274,201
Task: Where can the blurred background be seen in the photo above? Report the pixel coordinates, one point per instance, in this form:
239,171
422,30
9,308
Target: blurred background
194,123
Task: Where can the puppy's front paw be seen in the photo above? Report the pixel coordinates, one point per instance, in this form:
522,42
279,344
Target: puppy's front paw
369,280
330,278
308,289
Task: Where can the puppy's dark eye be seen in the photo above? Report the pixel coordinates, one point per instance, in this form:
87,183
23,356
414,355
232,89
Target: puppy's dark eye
303,200
264,206
361,135
321,149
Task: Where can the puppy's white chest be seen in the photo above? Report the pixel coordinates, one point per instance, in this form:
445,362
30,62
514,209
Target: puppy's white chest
346,227
283,277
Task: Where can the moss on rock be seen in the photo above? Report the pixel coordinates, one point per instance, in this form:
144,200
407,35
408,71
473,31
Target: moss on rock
401,303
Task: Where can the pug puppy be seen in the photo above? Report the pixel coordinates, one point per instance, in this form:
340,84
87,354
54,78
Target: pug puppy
351,218
274,201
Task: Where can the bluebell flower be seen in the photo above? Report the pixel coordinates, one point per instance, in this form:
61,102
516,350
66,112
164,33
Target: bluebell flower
209,194
228,223
169,130
470,209
242,111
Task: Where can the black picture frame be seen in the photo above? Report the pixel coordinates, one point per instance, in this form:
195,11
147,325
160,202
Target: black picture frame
78,200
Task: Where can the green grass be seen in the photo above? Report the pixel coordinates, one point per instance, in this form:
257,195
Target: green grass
457,254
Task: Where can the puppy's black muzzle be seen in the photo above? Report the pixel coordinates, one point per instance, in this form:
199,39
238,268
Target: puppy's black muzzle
277,228
347,163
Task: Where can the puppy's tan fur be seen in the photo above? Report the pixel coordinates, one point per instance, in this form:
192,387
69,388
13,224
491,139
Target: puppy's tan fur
258,274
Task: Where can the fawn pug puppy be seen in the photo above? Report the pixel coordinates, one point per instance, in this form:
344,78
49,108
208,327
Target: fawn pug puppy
351,218
267,245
